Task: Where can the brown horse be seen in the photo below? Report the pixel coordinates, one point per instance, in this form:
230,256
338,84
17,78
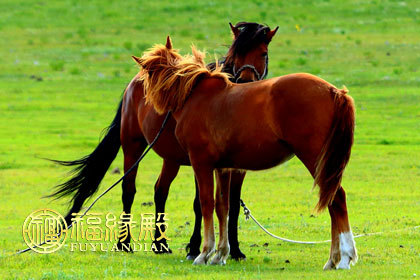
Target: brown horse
254,126
136,124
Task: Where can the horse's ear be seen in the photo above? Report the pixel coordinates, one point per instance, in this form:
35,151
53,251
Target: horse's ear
137,60
235,30
271,33
168,43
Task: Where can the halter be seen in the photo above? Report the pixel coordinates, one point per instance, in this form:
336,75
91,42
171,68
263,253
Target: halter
236,74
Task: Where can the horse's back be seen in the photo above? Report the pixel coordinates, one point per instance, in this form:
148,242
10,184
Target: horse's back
302,85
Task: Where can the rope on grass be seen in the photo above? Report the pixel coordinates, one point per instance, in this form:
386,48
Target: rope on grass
248,215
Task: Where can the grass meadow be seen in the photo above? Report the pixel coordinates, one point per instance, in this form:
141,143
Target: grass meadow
63,68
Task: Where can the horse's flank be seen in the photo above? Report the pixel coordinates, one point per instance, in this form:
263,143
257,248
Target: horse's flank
168,77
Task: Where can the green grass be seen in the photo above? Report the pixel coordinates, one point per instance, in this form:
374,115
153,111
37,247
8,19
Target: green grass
64,64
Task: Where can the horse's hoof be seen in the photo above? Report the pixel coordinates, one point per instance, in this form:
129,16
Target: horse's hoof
344,263
329,265
200,260
192,253
191,257
218,260
204,257
237,255
343,266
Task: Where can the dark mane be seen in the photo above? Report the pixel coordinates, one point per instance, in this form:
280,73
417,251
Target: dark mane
251,35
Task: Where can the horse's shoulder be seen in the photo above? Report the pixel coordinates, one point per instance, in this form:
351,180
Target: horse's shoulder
212,83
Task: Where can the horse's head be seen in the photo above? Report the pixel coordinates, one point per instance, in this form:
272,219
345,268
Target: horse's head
247,59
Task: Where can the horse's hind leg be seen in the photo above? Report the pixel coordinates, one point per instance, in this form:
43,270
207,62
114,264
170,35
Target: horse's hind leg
335,244
167,175
343,249
222,208
193,248
132,151
237,178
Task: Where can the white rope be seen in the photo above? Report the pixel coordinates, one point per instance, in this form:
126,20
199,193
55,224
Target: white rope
248,215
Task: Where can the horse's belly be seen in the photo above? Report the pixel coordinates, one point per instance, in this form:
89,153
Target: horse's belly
260,156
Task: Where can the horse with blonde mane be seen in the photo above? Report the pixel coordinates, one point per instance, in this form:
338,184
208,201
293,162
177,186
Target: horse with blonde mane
136,124
254,126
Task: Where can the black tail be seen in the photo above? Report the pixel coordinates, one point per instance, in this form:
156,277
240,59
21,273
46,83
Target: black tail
90,170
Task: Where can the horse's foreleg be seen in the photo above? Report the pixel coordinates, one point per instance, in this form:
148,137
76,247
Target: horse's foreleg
193,248
237,178
167,175
204,177
132,151
222,209
343,249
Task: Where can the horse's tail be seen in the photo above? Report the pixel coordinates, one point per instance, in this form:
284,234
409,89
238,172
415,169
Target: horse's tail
335,154
90,170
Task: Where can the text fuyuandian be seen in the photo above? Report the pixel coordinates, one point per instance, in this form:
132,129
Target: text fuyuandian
45,231
90,229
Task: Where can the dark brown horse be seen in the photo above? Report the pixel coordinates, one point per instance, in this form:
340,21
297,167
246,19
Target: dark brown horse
136,124
254,126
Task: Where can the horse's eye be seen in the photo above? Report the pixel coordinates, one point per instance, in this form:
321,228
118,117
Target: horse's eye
264,54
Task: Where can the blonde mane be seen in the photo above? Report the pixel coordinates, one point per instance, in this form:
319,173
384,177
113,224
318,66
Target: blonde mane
169,77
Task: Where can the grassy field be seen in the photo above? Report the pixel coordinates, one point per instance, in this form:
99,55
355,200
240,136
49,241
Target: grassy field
64,65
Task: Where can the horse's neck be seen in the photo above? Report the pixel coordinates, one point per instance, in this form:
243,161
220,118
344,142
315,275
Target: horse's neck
227,68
